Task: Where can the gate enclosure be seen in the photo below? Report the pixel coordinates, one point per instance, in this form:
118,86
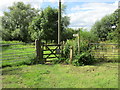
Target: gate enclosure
47,53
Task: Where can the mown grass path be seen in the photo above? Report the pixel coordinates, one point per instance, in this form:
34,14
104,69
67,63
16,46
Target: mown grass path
104,75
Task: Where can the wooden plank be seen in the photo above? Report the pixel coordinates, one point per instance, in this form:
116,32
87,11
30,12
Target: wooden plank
104,56
49,57
20,48
53,45
50,50
16,44
102,44
13,58
51,54
16,53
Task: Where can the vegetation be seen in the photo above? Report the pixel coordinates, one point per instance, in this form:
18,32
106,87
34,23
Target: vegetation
45,25
85,56
107,27
24,23
104,75
15,22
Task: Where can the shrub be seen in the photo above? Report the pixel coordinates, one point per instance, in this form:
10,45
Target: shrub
66,49
85,58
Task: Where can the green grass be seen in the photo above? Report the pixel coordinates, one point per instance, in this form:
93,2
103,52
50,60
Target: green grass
17,54
104,75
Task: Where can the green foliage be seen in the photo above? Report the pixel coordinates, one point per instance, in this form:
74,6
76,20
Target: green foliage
45,26
15,22
88,36
67,34
66,49
85,58
103,28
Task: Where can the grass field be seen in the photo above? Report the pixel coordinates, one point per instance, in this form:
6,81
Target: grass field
17,54
104,75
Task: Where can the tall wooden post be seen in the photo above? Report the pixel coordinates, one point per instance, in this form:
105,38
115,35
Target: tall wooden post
39,53
59,21
71,54
79,42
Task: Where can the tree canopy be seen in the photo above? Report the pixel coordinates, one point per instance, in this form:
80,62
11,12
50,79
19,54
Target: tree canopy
106,28
24,23
45,25
15,22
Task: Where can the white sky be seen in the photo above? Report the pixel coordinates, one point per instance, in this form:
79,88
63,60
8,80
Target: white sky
81,15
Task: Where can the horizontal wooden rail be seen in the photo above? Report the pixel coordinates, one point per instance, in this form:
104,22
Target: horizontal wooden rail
52,45
108,54
49,57
12,58
102,44
16,44
104,56
20,48
17,55
50,49
11,61
52,54
50,60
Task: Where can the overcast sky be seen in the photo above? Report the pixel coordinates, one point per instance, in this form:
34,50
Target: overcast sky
82,13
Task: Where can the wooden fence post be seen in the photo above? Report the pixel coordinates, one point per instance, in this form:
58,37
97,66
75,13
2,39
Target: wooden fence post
62,47
79,42
71,54
39,52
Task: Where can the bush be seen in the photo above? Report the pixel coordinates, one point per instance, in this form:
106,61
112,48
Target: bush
85,58
66,49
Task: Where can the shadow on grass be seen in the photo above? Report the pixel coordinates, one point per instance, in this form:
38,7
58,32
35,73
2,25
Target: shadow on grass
11,71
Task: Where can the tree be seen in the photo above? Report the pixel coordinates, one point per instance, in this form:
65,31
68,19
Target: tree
47,24
67,34
103,27
16,21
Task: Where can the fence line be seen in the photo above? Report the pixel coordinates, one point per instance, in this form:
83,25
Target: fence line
17,53
103,44
16,44
13,55
101,50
